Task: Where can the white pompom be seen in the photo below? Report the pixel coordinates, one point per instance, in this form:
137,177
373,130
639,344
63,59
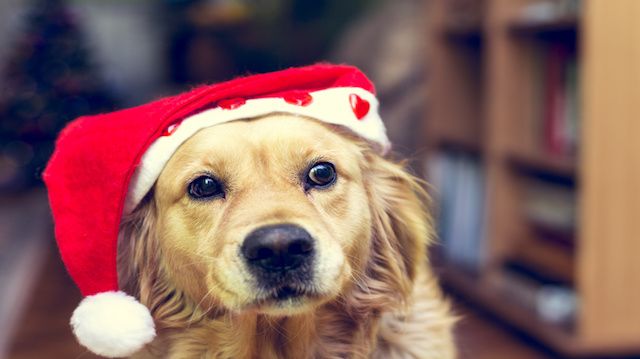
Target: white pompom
112,324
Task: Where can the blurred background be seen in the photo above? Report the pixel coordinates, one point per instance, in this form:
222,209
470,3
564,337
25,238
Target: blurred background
522,114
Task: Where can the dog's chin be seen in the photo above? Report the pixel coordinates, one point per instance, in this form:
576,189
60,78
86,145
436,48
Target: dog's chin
288,301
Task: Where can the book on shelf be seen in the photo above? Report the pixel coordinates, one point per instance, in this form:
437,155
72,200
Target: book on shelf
545,11
550,299
556,96
550,208
458,179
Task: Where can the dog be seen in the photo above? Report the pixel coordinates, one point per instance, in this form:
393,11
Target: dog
283,237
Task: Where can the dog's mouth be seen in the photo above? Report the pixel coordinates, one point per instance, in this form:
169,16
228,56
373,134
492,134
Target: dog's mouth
285,296
285,286
288,292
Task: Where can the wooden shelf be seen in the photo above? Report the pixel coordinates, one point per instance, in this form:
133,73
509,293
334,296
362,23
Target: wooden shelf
451,141
490,93
532,27
549,259
490,298
546,163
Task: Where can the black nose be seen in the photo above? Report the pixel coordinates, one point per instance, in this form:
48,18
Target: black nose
278,247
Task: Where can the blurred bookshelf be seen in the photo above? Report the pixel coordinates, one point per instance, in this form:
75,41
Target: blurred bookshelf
535,167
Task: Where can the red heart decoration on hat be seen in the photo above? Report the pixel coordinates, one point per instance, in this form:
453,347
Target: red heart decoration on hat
359,106
232,103
170,129
298,98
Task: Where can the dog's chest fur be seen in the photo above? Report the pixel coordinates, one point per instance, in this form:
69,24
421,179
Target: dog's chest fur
252,336
330,332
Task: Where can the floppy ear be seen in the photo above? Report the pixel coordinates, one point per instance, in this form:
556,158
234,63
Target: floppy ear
138,251
140,271
401,232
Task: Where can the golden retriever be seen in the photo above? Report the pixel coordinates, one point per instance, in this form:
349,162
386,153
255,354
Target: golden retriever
283,237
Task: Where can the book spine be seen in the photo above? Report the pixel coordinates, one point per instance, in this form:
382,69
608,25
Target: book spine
555,100
460,186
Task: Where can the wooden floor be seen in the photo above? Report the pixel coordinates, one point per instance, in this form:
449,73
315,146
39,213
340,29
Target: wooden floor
45,332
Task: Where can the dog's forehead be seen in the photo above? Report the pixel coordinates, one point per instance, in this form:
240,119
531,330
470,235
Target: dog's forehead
277,146
270,138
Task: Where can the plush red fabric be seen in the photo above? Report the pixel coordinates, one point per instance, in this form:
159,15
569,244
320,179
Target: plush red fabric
90,170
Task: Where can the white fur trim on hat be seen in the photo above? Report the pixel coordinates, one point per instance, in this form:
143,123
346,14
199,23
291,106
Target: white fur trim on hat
329,105
112,324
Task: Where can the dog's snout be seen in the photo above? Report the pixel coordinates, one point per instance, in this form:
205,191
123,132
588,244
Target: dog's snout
278,247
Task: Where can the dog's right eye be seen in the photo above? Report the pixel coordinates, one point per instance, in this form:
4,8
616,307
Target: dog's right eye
205,187
321,175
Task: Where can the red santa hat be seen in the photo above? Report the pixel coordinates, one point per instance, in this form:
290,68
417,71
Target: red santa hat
104,165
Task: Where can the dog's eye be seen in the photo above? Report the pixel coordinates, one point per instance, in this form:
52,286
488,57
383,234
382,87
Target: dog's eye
205,187
321,175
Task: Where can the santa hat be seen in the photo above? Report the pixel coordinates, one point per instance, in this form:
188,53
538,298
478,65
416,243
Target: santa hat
104,165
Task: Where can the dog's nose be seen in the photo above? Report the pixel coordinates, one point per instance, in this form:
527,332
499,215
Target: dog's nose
278,247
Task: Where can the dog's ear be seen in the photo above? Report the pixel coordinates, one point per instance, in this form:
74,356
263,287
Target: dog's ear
138,250
401,231
140,271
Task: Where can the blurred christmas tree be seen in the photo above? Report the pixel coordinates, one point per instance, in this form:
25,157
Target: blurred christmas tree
48,80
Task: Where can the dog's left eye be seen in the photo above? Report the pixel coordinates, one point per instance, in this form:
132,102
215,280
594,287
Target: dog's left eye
205,187
321,175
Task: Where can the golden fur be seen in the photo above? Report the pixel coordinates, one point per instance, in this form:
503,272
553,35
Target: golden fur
376,297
